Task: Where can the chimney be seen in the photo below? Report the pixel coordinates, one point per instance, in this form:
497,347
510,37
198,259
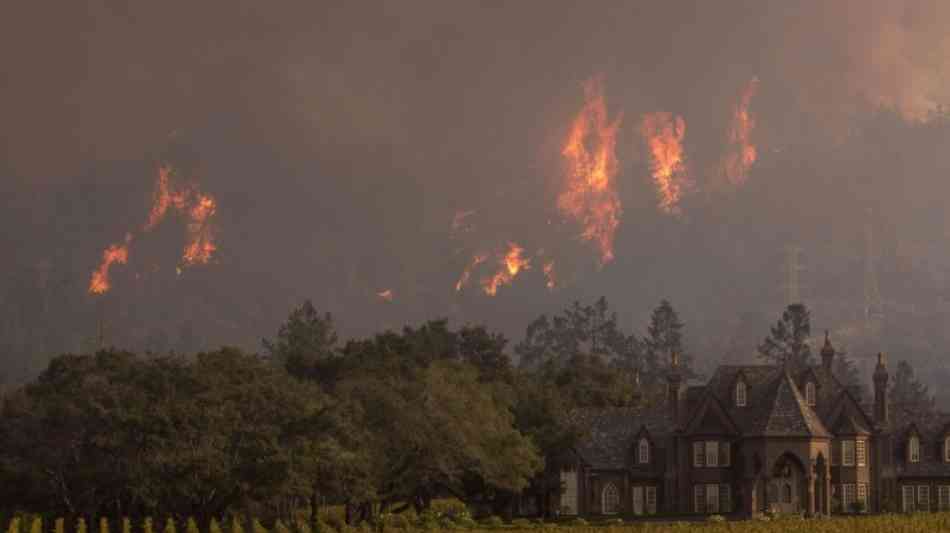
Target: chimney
880,390
827,354
675,394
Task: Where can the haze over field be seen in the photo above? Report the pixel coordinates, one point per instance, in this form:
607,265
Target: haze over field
400,161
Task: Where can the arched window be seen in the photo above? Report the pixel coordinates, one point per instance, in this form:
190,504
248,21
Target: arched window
810,394
610,499
913,449
643,452
740,393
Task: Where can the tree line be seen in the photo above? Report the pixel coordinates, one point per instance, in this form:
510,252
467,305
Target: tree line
378,425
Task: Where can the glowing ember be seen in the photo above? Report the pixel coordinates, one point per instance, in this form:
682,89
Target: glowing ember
664,137
589,195
467,273
742,152
116,253
549,280
386,295
511,265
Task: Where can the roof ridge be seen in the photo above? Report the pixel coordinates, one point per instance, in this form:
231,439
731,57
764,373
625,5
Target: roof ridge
809,418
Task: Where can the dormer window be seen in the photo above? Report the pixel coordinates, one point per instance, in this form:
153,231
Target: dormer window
643,451
810,394
913,449
741,393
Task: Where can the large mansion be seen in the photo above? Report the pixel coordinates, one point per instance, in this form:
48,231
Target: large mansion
757,438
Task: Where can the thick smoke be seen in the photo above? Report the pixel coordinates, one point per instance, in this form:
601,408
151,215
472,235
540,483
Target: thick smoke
341,139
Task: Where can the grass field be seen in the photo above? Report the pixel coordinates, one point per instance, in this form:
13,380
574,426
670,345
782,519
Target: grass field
864,524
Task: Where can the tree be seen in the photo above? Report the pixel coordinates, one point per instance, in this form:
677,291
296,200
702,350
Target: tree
664,337
306,344
588,329
908,395
787,343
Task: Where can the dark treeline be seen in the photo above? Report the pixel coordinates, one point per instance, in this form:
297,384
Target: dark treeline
379,425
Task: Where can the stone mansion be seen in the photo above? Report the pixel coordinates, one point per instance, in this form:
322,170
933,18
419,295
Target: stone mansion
757,438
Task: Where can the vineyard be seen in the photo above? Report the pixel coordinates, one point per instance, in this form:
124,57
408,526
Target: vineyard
866,524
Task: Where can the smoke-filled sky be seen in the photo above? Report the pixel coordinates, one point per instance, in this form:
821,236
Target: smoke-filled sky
341,139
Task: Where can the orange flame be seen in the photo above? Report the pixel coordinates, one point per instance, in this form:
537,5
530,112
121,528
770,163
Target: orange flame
165,197
742,153
511,265
200,244
589,194
664,137
115,253
467,273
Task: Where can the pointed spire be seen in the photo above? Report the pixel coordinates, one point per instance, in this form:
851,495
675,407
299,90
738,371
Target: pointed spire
827,353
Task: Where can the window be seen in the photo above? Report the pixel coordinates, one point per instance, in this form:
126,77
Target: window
699,454
810,394
862,452
637,500
651,500
643,455
923,497
712,453
725,498
943,498
847,453
610,499
907,491
946,449
699,498
569,494
863,496
740,393
913,452
712,499
725,454
847,496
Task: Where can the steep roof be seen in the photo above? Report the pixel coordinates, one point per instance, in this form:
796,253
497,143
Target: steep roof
612,430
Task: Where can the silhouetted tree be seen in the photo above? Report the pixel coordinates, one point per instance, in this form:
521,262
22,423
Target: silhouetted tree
787,343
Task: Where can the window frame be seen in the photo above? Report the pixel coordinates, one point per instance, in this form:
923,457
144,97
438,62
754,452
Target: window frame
742,393
861,452
614,493
699,454
913,449
643,451
811,396
908,498
943,497
712,498
946,449
712,453
862,495
848,496
923,497
725,498
846,446
699,498
649,495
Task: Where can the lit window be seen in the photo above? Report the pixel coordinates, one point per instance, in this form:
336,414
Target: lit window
810,394
712,498
847,453
637,500
913,454
644,451
699,454
923,497
862,452
611,499
847,496
740,394
712,453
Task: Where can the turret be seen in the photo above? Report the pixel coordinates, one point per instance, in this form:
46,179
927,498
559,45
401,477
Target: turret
880,390
827,354
675,396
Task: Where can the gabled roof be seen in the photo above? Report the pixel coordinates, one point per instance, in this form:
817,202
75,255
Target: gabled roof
847,425
784,413
710,416
613,430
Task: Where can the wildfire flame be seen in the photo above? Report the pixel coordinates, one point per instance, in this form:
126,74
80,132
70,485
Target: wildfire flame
115,253
664,137
200,244
549,280
467,273
742,153
197,207
589,194
512,264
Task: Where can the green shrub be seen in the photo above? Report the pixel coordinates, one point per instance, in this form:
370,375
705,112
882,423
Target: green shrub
170,526
103,524
147,526
126,525
716,518
14,526
59,526
522,523
80,526
493,521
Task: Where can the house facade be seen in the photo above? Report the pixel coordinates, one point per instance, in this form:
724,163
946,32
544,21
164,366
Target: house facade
756,438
